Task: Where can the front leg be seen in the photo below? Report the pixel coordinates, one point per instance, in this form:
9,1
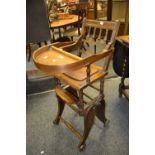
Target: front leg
61,106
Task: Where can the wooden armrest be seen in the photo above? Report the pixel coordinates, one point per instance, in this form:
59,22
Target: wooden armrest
73,45
67,46
62,44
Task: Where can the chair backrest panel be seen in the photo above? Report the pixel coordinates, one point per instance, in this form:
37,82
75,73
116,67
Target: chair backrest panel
99,32
97,36
100,24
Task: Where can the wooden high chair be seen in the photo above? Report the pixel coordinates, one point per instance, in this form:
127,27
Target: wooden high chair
75,74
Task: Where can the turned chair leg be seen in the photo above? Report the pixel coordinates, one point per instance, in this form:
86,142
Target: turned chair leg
61,106
88,122
121,86
39,44
120,90
100,107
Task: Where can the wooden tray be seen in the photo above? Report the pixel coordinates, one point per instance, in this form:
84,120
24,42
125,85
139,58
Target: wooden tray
53,60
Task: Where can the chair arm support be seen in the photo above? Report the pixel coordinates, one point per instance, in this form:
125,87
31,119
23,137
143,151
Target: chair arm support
62,44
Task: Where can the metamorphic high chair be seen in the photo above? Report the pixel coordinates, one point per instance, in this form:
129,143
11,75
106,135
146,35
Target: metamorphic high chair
75,73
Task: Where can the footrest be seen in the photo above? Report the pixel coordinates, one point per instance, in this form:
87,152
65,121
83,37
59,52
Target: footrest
64,95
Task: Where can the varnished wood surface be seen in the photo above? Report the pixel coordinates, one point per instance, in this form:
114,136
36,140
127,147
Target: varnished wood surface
79,73
65,96
70,19
80,84
53,60
124,38
101,24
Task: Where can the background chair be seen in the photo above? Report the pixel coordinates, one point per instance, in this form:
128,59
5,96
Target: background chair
72,85
121,65
81,11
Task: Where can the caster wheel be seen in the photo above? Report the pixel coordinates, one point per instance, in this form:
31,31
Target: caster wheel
106,123
82,147
55,122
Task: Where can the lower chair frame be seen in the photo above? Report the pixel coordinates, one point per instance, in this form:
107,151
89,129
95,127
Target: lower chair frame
96,107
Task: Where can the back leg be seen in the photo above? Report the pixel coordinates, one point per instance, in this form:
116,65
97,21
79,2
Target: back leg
100,112
88,123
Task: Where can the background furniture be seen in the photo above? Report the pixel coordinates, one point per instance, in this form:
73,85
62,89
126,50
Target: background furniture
37,29
63,23
110,10
81,11
121,63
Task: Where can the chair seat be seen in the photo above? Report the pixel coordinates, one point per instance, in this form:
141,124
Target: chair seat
71,32
81,75
78,79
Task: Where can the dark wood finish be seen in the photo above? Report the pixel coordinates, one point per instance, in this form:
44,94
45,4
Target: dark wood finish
126,27
78,74
88,123
109,10
62,23
100,112
121,63
61,106
28,51
81,11
95,8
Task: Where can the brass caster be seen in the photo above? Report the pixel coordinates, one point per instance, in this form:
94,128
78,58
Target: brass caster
82,147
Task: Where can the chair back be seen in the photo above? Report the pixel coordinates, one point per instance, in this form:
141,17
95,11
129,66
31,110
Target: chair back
99,34
96,36
103,33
